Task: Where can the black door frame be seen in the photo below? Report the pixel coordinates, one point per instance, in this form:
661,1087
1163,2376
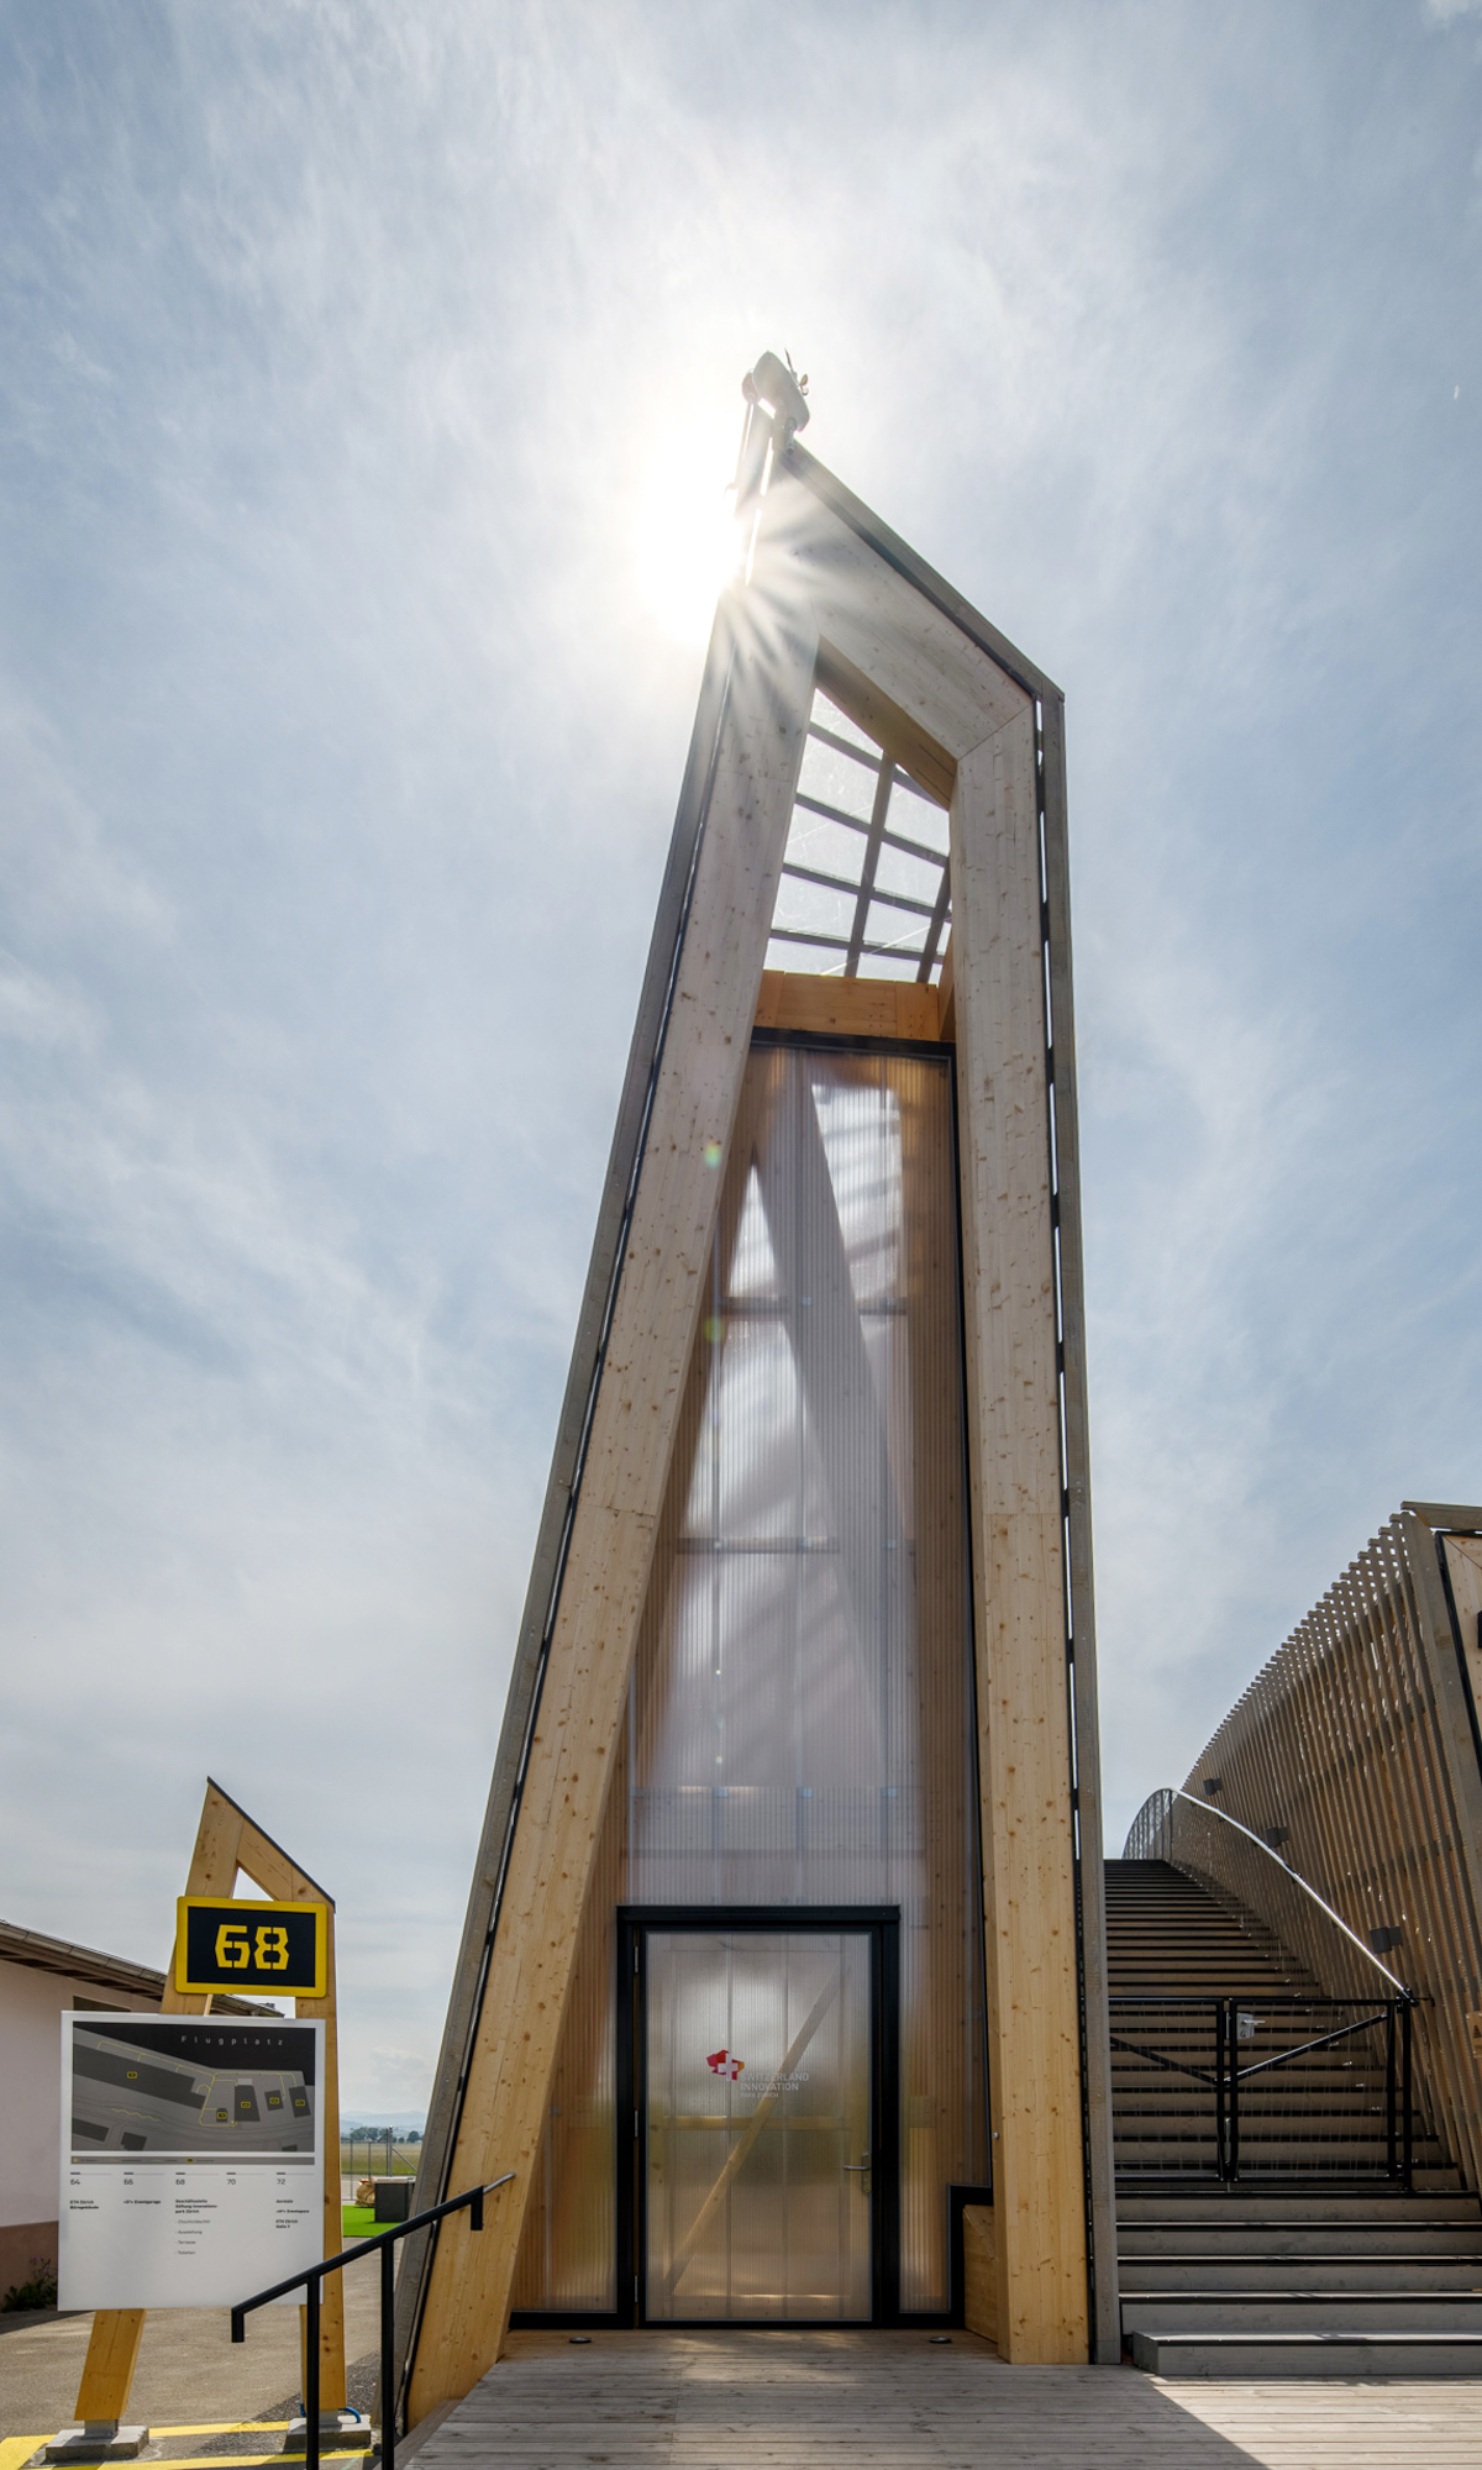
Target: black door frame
881,1924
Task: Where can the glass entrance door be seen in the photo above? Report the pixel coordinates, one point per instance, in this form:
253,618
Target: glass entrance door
756,2153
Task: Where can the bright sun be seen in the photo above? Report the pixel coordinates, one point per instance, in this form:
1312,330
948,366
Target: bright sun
686,542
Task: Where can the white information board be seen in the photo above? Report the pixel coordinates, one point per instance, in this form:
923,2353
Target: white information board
192,2158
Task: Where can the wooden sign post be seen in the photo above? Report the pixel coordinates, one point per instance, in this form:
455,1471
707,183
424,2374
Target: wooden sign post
228,1841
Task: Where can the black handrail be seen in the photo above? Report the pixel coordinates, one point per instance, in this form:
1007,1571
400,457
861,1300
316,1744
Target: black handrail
309,2282
1394,2015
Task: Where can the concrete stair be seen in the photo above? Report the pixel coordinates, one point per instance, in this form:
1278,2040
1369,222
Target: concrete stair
1314,2263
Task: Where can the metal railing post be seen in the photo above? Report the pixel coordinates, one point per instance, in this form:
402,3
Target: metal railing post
388,2354
311,2280
311,2374
1232,2049
1407,2017
1221,2105
1391,2097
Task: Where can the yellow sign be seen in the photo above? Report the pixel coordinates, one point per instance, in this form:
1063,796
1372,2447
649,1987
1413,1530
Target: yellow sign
236,1943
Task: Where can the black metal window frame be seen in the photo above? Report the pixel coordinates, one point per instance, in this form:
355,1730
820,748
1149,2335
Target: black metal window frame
881,1924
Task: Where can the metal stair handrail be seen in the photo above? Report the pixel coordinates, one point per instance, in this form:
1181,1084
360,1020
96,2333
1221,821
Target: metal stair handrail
311,2281
1156,1814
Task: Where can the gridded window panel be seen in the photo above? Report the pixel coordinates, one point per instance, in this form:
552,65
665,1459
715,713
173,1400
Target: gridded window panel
916,879
872,834
837,780
800,952
809,908
827,848
889,931
917,817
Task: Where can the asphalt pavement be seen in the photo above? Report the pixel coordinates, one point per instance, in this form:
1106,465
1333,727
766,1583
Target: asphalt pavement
189,2370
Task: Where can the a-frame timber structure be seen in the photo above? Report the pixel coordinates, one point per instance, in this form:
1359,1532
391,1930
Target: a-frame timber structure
785,1947
229,1844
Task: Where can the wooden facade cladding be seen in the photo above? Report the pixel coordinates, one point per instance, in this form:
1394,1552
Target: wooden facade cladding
1018,1551
1361,1739
833,598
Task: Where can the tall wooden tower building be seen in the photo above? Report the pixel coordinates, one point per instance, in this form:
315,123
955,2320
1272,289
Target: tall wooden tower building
781,1989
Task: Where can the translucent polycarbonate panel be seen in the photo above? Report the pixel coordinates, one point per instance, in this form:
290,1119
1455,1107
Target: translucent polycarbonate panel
813,908
802,1711
859,820
916,817
801,1720
902,871
757,2147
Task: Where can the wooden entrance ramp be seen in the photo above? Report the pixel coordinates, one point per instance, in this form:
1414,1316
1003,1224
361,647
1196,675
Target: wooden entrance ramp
854,2400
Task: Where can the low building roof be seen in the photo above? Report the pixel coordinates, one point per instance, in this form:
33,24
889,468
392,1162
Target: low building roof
106,1972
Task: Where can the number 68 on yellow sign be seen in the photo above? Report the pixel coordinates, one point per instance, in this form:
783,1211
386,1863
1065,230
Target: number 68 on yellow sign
238,1943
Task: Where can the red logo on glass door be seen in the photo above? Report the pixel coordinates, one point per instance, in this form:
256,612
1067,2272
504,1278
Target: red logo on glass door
720,2062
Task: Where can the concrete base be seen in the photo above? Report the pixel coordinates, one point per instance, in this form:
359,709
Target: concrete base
340,2431
98,2440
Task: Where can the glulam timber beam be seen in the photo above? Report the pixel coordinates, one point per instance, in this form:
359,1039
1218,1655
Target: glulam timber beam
660,1292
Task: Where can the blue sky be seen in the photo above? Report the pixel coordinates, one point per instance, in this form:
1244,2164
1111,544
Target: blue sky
368,382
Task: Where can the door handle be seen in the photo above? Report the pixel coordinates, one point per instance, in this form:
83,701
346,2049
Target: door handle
859,2165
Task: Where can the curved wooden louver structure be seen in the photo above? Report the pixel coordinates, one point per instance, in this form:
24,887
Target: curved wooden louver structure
1358,1749
938,919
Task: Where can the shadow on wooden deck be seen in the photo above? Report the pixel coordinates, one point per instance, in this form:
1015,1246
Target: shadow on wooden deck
823,2401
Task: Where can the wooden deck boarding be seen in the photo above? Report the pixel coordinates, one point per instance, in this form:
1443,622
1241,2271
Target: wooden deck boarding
852,2401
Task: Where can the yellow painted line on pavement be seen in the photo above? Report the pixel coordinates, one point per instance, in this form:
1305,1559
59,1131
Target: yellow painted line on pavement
16,2449
243,2461
230,2427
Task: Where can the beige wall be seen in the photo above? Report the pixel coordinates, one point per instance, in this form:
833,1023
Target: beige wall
32,2003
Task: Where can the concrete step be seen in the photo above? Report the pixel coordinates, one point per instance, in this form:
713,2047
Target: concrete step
1137,1937
1160,1951
1274,2356
1277,2156
1209,1979
1330,2134
1159,2059
1139,1934
1367,2275
1192,2163
1259,2310
1323,2121
1302,2208
1428,2244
